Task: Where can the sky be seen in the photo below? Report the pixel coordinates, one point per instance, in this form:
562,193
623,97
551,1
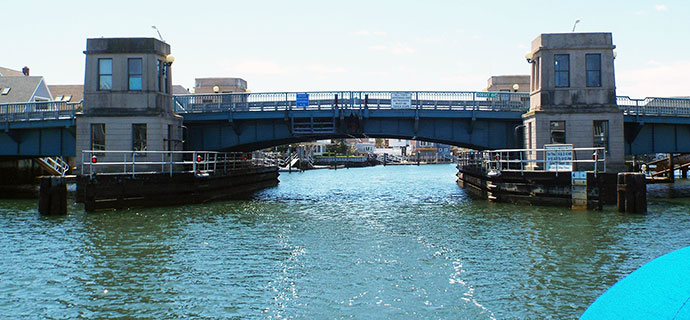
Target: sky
352,45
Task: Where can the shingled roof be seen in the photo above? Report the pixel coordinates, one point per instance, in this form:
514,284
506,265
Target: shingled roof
21,89
4,72
68,92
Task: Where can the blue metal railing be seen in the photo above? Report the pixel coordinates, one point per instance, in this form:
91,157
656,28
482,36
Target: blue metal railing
654,106
37,111
345,100
372,100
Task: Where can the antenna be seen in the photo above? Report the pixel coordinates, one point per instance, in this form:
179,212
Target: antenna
160,36
576,22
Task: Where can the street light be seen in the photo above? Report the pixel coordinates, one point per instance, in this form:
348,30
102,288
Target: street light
159,33
529,56
576,22
169,59
216,89
516,87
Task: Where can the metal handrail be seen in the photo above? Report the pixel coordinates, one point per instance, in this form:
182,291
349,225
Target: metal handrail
347,100
112,162
56,163
654,106
523,160
344,100
39,110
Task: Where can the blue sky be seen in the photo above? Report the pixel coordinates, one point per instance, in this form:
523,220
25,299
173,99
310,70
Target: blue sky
352,45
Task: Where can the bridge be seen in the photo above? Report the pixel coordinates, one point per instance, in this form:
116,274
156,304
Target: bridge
251,121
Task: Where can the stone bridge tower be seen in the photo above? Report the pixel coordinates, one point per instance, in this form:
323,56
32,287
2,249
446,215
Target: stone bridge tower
128,102
573,95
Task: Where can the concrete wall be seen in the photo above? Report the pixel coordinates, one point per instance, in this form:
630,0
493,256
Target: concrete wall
120,100
577,45
118,131
579,131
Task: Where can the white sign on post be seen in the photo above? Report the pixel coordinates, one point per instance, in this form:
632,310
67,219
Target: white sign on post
401,100
559,157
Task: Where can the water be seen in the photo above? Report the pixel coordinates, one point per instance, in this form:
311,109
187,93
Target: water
381,242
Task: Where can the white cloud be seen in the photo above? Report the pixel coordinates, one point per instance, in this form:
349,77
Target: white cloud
655,80
320,68
397,48
660,7
367,33
462,81
253,66
432,40
378,47
401,49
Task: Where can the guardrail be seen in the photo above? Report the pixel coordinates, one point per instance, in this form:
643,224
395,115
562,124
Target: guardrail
654,106
524,160
373,100
37,111
99,162
344,100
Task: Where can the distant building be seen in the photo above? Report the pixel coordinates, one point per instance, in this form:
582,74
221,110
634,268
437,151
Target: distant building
223,85
431,151
508,83
67,93
23,89
178,89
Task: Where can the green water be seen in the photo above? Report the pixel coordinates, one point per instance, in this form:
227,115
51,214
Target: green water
379,242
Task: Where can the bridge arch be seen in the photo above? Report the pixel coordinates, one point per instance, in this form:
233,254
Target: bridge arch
259,133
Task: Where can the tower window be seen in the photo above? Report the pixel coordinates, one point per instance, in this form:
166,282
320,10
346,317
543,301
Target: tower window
562,70
105,74
134,70
593,66
139,136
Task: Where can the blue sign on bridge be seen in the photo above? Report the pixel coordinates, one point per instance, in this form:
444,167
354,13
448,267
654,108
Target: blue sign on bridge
302,100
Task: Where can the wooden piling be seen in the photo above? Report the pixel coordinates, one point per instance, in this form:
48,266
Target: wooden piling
53,196
671,173
632,192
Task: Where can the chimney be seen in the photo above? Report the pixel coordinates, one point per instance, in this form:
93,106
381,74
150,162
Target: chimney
25,71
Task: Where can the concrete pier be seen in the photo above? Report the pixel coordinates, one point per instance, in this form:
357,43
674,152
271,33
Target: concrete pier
153,190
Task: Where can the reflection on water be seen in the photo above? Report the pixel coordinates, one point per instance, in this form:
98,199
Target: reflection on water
381,242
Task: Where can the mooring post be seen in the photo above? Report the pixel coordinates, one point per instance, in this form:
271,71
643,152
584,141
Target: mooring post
53,196
632,192
671,171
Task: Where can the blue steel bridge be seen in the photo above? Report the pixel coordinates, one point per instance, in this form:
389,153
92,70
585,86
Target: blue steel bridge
251,121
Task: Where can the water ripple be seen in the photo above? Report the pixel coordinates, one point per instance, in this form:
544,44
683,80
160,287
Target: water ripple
393,242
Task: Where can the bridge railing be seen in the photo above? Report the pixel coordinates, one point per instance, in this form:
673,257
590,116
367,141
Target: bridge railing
101,162
40,110
654,106
523,160
347,100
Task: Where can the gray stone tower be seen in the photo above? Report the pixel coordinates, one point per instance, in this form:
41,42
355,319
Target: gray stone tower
128,98
573,95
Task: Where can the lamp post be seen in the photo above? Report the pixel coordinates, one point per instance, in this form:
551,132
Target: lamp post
216,89
576,22
516,87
